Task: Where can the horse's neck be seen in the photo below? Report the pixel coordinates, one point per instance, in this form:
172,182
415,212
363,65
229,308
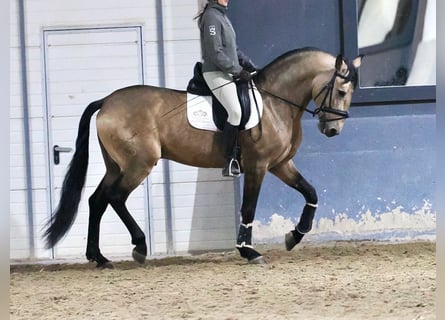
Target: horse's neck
292,77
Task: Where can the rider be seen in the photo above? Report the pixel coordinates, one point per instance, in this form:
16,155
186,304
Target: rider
222,63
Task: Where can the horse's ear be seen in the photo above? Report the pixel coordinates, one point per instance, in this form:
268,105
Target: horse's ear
339,62
358,61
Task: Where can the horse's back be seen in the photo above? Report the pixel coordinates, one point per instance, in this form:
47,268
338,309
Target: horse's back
140,103
133,98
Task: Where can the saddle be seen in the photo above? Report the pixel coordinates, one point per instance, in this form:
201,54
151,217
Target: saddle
198,86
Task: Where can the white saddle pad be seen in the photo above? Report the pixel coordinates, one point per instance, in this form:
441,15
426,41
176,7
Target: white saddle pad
200,114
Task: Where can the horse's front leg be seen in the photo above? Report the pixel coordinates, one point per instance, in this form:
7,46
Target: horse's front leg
253,179
290,175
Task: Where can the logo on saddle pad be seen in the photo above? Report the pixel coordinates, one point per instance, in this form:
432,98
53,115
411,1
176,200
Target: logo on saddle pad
201,113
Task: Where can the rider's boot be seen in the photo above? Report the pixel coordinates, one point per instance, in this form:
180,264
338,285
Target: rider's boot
231,166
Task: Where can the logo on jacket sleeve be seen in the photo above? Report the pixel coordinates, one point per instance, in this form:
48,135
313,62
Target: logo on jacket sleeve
212,30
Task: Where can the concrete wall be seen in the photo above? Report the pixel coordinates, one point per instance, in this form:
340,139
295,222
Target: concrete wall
376,180
194,211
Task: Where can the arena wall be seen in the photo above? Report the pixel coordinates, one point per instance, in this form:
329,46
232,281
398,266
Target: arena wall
82,51
375,181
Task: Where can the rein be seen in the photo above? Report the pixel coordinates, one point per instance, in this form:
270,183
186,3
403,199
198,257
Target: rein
328,88
323,108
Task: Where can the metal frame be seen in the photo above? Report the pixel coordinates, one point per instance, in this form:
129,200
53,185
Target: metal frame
376,95
26,129
46,32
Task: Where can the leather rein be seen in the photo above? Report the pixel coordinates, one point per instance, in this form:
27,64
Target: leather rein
328,90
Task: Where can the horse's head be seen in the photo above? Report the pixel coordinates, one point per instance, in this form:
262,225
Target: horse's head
332,92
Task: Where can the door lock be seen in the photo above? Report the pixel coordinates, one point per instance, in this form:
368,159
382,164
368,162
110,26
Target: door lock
57,150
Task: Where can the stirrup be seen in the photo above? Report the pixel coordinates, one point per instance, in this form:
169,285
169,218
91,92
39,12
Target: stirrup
233,169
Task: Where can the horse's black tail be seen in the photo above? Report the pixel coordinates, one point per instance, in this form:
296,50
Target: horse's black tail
63,217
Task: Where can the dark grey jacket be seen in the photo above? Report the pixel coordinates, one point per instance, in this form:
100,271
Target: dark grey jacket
218,42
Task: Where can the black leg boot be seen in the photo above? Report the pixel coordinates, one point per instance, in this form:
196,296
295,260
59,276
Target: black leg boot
231,166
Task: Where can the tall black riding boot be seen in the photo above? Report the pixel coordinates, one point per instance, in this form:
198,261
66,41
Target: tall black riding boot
231,166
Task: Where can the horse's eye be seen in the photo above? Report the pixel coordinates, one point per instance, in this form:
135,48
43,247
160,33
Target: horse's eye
342,93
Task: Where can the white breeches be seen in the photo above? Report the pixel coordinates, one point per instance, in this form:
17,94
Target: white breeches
224,89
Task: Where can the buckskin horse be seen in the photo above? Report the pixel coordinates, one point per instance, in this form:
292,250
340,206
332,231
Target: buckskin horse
141,124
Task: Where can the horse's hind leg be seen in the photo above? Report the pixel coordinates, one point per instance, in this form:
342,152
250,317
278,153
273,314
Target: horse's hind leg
117,196
98,203
290,175
114,189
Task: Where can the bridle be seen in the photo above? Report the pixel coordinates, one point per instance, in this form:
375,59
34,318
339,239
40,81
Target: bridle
328,90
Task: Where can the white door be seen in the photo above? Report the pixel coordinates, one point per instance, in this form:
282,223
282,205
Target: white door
82,66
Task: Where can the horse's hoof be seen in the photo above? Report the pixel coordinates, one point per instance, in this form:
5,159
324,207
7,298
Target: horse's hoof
138,257
105,265
258,260
289,240
292,238
252,256
101,261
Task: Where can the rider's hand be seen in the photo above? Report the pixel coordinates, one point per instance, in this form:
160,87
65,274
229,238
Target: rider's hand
244,75
251,67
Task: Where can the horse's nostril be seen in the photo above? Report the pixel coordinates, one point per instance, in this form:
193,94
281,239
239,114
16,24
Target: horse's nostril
331,132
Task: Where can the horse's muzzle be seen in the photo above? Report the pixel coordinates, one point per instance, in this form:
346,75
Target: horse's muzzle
331,132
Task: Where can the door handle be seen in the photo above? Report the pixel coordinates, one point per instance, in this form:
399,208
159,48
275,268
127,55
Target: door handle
57,150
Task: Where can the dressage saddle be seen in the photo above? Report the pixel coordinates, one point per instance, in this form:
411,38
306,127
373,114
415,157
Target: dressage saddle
198,86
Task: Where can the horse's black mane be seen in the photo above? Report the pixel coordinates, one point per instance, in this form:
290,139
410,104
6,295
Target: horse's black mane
294,52
353,71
